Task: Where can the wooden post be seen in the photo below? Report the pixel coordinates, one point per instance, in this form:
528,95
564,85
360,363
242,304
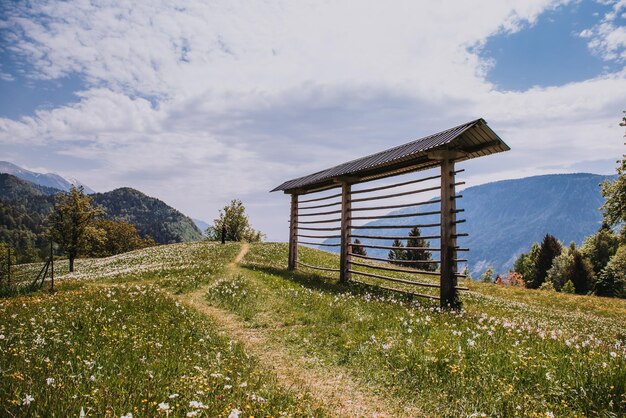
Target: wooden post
346,225
8,266
293,233
51,268
448,280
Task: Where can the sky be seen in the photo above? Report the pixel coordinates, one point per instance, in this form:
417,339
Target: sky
198,102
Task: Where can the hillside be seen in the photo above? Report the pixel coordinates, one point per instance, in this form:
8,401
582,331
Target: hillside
203,329
151,216
504,218
24,207
52,180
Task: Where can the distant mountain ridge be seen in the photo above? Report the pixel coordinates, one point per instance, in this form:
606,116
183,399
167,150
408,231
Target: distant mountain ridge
47,180
505,217
24,207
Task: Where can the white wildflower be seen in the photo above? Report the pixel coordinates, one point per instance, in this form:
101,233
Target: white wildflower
50,381
226,387
234,413
128,415
613,354
164,406
27,400
174,396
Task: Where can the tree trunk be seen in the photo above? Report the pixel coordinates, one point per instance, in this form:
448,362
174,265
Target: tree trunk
71,263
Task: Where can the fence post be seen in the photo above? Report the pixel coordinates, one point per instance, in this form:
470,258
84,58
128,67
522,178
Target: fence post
51,268
8,266
346,226
293,233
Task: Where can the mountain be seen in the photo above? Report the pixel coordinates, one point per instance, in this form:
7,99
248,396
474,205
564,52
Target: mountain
202,226
48,180
151,216
24,207
504,218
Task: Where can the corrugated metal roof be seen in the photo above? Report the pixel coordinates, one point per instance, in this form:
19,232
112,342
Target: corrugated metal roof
475,138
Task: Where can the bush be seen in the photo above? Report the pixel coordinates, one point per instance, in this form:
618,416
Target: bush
547,286
600,247
568,287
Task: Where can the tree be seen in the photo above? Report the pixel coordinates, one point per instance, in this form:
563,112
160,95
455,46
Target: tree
562,270
612,280
397,254
418,256
238,228
582,274
615,194
550,248
487,276
526,264
106,237
600,247
357,249
72,214
568,287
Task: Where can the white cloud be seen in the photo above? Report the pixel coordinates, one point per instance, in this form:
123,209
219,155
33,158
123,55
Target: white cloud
199,103
607,39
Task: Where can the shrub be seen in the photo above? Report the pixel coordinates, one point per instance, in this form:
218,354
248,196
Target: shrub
600,247
568,287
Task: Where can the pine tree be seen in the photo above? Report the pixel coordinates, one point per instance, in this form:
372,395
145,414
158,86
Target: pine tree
550,248
397,254
582,274
421,255
357,249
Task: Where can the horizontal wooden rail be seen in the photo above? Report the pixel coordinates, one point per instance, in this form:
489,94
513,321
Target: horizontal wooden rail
458,171
320,229
400,270
385,237
316,243
403,215
404,183
394,279
332,212
319,236
388,196
460,235
460,221
366,257
315,267
388,247
319,206
457,196
323,221
404,205
321,198
460,260
460,249
404,292
395,226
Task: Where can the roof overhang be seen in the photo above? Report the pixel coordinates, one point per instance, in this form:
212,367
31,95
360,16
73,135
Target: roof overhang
470,140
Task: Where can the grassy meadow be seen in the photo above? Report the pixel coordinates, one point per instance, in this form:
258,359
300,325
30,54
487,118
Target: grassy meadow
115,340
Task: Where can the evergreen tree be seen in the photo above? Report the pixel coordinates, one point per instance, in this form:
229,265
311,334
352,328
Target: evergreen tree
419,256
238,228
582,274
397,254
568,287
357,249
487,276
72,214
550,248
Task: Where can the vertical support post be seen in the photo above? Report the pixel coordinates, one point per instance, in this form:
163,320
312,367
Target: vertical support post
8,266
448,280
51,268
346,226
293,233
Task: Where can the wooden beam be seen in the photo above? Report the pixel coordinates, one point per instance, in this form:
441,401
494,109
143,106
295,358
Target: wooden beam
346,224
448,279
293,233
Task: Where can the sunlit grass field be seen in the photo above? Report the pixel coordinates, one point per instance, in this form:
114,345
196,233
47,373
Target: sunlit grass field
114,341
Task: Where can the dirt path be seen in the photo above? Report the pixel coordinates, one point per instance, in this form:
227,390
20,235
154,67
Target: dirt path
333,389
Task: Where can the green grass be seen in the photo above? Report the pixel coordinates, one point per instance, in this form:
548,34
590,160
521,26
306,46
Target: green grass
109,351
511,352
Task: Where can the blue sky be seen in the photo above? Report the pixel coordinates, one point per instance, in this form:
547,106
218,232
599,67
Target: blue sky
204,103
